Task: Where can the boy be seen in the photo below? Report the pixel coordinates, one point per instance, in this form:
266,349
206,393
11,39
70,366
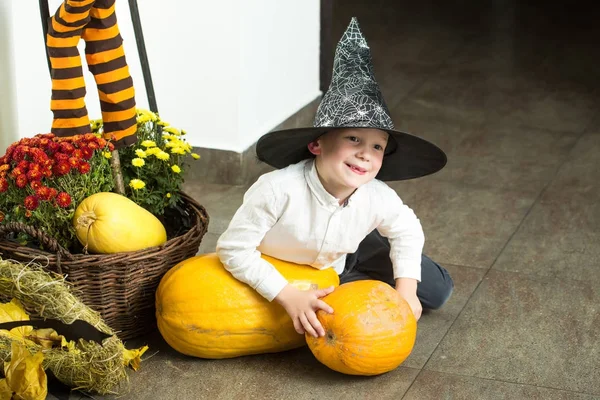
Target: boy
327,205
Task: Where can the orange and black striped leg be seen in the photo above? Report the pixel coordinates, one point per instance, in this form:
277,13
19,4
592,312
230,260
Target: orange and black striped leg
106,60
68,86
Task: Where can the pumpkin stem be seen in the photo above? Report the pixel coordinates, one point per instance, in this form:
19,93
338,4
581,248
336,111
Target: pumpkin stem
330,336
86,219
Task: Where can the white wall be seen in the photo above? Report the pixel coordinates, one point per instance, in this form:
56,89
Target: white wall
8,112
227,72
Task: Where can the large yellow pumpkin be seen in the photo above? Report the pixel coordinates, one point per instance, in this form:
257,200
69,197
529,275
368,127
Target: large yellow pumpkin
372,329
203,311
108,222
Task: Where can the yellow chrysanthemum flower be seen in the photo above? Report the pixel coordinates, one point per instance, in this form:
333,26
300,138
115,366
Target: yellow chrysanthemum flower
137,184
107,154
148,143
168,195
170,143
178,150
138,162
143,119
147,113
172,130
183,132
162,123
162,155
152,151
176,169
140,153
195,156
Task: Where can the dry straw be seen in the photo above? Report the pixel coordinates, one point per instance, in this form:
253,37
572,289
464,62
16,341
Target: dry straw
88,366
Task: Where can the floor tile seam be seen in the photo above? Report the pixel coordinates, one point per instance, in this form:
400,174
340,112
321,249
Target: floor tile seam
540,195
495,260
505,381
487,272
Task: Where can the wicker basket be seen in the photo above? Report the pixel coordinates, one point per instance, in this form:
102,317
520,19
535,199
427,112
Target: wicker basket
120,286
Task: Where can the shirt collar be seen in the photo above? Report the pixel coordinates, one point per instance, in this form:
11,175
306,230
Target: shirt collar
317,188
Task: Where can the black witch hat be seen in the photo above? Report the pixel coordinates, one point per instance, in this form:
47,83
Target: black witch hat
354,100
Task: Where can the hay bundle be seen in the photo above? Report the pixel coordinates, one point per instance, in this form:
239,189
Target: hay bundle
48,294
86,365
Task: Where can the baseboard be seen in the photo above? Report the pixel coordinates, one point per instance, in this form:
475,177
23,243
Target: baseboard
232,168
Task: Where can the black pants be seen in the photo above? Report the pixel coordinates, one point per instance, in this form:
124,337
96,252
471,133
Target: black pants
372,261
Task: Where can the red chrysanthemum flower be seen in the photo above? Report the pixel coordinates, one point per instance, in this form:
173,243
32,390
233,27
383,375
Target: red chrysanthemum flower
3,185
21,181
34,175
77,138
23,165
88,137
66,147
74,162
43,192
35,185
9,152
93,145
4,167
63,199
111,146
101,142
84,167
39,156
35,167
62,168
31,202
16,172
53,147
77,154
53,193
19,154
61,157
86,152
47,172
28,213
44,142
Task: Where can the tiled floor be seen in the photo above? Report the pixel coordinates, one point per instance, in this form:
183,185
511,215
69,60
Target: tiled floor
511,91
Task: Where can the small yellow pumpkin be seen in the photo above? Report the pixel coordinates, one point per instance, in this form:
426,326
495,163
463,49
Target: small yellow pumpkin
108,222
203,311
372,329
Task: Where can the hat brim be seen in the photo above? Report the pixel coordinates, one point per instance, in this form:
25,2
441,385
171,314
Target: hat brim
406,156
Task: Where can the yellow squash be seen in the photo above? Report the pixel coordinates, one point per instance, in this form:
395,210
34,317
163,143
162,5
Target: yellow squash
203,311
108,222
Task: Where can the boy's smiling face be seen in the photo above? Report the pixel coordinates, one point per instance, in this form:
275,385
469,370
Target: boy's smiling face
348,158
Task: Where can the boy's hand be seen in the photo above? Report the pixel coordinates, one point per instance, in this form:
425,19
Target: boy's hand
301,305
408,290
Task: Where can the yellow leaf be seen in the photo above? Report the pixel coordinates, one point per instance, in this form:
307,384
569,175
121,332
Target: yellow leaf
47,338
72,347
25,375
133,357
5,391
14,311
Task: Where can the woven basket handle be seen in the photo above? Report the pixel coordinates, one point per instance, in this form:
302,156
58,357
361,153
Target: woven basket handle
49,243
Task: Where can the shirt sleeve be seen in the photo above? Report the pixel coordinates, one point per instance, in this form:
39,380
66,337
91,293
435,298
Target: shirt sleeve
404,232
237,246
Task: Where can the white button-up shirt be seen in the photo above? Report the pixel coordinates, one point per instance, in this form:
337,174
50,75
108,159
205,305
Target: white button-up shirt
288,214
